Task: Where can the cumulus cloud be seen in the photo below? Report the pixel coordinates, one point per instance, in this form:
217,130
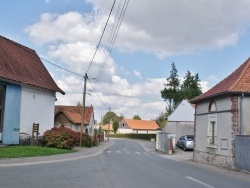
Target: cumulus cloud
161,27
178,27
137,74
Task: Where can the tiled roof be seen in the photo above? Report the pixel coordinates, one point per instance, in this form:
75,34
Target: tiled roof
21,64
141,124
74,113
237,82
107,127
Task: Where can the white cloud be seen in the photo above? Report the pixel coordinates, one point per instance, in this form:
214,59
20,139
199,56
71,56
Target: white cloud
177,27
169,28
212,78
137,74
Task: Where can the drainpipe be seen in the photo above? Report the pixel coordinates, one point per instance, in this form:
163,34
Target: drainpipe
241,114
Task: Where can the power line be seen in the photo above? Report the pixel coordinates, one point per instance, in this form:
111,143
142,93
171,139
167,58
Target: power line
112,38
101,37
61,67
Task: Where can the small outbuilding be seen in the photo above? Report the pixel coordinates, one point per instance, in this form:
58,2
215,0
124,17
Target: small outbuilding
221,114
181,121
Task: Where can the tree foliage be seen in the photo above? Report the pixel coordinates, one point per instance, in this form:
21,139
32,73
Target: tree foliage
161,119
171,93
174,92
115,125
137,117
191,86
112,117
79,103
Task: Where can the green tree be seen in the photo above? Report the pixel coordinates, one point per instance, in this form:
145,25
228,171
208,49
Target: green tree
171,93
112,117
78,103
161,119
191,86
137,117
115,125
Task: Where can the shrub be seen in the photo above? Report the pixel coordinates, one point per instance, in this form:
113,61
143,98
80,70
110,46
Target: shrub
87,140
60,137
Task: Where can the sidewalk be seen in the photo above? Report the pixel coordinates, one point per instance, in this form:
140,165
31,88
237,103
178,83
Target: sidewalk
81,153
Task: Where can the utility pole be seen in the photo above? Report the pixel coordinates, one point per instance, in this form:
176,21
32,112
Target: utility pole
109,122
83,107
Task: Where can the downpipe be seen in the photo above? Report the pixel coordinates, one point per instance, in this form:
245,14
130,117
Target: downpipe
241,113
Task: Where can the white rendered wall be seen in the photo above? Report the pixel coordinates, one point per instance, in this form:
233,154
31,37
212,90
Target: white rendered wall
37,106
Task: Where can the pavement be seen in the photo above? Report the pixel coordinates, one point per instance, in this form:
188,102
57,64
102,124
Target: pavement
179,155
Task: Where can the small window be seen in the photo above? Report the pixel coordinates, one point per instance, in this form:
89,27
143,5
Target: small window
212,107
123,125
86,130
212,130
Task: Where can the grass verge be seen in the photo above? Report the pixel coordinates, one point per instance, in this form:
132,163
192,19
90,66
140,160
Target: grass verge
30,151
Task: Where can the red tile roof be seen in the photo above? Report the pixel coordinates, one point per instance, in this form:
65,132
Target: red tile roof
74,113
21,64
237,82
107,127
141,124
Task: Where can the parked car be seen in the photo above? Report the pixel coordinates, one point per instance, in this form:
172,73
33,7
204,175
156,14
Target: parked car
186,142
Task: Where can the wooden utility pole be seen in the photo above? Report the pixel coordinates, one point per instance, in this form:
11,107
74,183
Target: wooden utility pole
109,122
83,107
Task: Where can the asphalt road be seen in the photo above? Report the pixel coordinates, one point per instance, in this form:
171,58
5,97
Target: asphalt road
124,165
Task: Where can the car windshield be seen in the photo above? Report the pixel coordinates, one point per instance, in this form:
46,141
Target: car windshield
190,138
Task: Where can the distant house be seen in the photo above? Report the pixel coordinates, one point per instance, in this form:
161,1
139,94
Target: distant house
181,121
71,117
222,113
108,128
27,92
137,126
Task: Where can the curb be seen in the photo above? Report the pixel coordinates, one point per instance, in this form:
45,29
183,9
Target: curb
98,152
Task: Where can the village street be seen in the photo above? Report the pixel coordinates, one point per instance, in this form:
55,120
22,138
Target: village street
125,163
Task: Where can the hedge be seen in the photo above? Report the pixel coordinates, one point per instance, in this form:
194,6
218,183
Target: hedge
134,136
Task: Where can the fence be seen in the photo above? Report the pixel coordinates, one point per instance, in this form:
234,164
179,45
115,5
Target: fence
242,152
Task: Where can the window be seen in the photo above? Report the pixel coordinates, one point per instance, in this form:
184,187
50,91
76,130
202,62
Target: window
212,130
212,107
86,130
213,135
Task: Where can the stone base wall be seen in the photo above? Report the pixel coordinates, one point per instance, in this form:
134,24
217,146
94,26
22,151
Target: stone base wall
213,159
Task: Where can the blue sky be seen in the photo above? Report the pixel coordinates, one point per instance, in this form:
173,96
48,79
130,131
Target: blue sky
206,37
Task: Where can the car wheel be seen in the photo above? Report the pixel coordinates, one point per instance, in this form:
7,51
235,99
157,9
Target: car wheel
184,148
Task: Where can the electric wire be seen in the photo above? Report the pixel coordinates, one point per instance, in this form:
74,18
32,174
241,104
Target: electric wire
112,38
101,36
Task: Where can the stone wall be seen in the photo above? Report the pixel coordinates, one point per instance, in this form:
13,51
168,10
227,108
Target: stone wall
213,159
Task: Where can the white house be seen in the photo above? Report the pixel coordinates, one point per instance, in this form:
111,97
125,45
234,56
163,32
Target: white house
181,121
137,126
27,92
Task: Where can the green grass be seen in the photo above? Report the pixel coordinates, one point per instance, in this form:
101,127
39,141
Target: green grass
30,151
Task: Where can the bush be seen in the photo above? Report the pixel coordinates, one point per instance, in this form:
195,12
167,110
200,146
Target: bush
87,140
61,137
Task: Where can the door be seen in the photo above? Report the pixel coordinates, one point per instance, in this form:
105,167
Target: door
2,97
